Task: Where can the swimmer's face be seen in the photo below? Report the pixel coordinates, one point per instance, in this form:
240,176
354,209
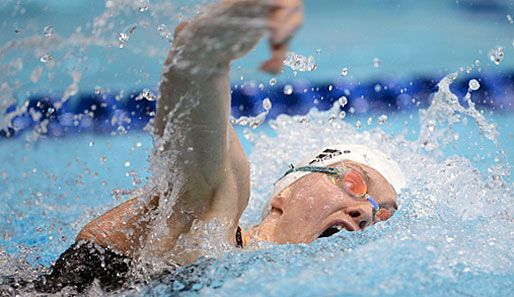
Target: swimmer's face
314,206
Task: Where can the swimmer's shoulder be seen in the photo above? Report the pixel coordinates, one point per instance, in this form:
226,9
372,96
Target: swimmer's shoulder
113,228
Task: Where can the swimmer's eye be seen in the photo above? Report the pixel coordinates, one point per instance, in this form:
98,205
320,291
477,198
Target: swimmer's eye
353,183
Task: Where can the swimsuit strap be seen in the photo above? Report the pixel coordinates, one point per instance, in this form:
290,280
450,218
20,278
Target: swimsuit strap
239,238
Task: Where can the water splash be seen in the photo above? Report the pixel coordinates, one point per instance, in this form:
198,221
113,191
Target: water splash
496,55
299,62
48,31
125,35
165,33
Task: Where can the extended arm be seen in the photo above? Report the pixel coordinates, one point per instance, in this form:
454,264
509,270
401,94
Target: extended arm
197,157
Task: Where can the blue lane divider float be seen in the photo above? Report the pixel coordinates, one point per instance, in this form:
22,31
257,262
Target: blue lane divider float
113,113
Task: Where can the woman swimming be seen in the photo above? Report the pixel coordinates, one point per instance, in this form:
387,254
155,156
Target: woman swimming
340,187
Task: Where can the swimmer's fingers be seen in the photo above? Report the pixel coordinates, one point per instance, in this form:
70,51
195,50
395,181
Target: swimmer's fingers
274,64
285,19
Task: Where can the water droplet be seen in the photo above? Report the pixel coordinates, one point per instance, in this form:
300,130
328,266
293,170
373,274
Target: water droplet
125,35
127,164
474,85
143,5
273,81
469,69
266,104
477,63
330,88
45,58
98,90
496,55
431,126
342,114
91,143
370,120
358,125
343,101
146,94
378,88
165,32
261,86
376,62
344,72
509,18
288,89
332,118
48,31
382,119
299,62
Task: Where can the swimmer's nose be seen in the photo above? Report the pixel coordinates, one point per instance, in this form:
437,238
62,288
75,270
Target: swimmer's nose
362,215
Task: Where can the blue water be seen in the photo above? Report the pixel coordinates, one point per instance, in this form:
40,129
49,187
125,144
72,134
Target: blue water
453,233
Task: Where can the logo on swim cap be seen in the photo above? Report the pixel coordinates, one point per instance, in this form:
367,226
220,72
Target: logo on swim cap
327,154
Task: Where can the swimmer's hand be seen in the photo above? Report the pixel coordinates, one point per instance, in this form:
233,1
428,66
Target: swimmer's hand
231,28
285,19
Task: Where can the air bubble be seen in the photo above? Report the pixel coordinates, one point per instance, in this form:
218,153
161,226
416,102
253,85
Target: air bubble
509,18
288,89
190,149
261,86
266,104
378,88
273,81
474,85
342,114
344,72
370,120
382,119
48,31
127,164
477,63
358,125
343,101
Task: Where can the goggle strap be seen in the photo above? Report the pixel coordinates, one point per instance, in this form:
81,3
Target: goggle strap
328,170
372,201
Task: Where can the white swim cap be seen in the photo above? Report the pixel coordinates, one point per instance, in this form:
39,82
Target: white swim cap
331,155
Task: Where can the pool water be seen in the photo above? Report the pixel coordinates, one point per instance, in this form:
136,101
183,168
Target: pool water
452,235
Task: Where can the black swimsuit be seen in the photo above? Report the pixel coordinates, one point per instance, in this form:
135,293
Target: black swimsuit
85,261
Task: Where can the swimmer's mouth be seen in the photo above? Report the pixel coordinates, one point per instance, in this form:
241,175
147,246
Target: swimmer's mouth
336,227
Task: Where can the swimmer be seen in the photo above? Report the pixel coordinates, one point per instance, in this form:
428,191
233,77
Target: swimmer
343,186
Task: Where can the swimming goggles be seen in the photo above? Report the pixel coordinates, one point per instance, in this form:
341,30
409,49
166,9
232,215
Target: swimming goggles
352,182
